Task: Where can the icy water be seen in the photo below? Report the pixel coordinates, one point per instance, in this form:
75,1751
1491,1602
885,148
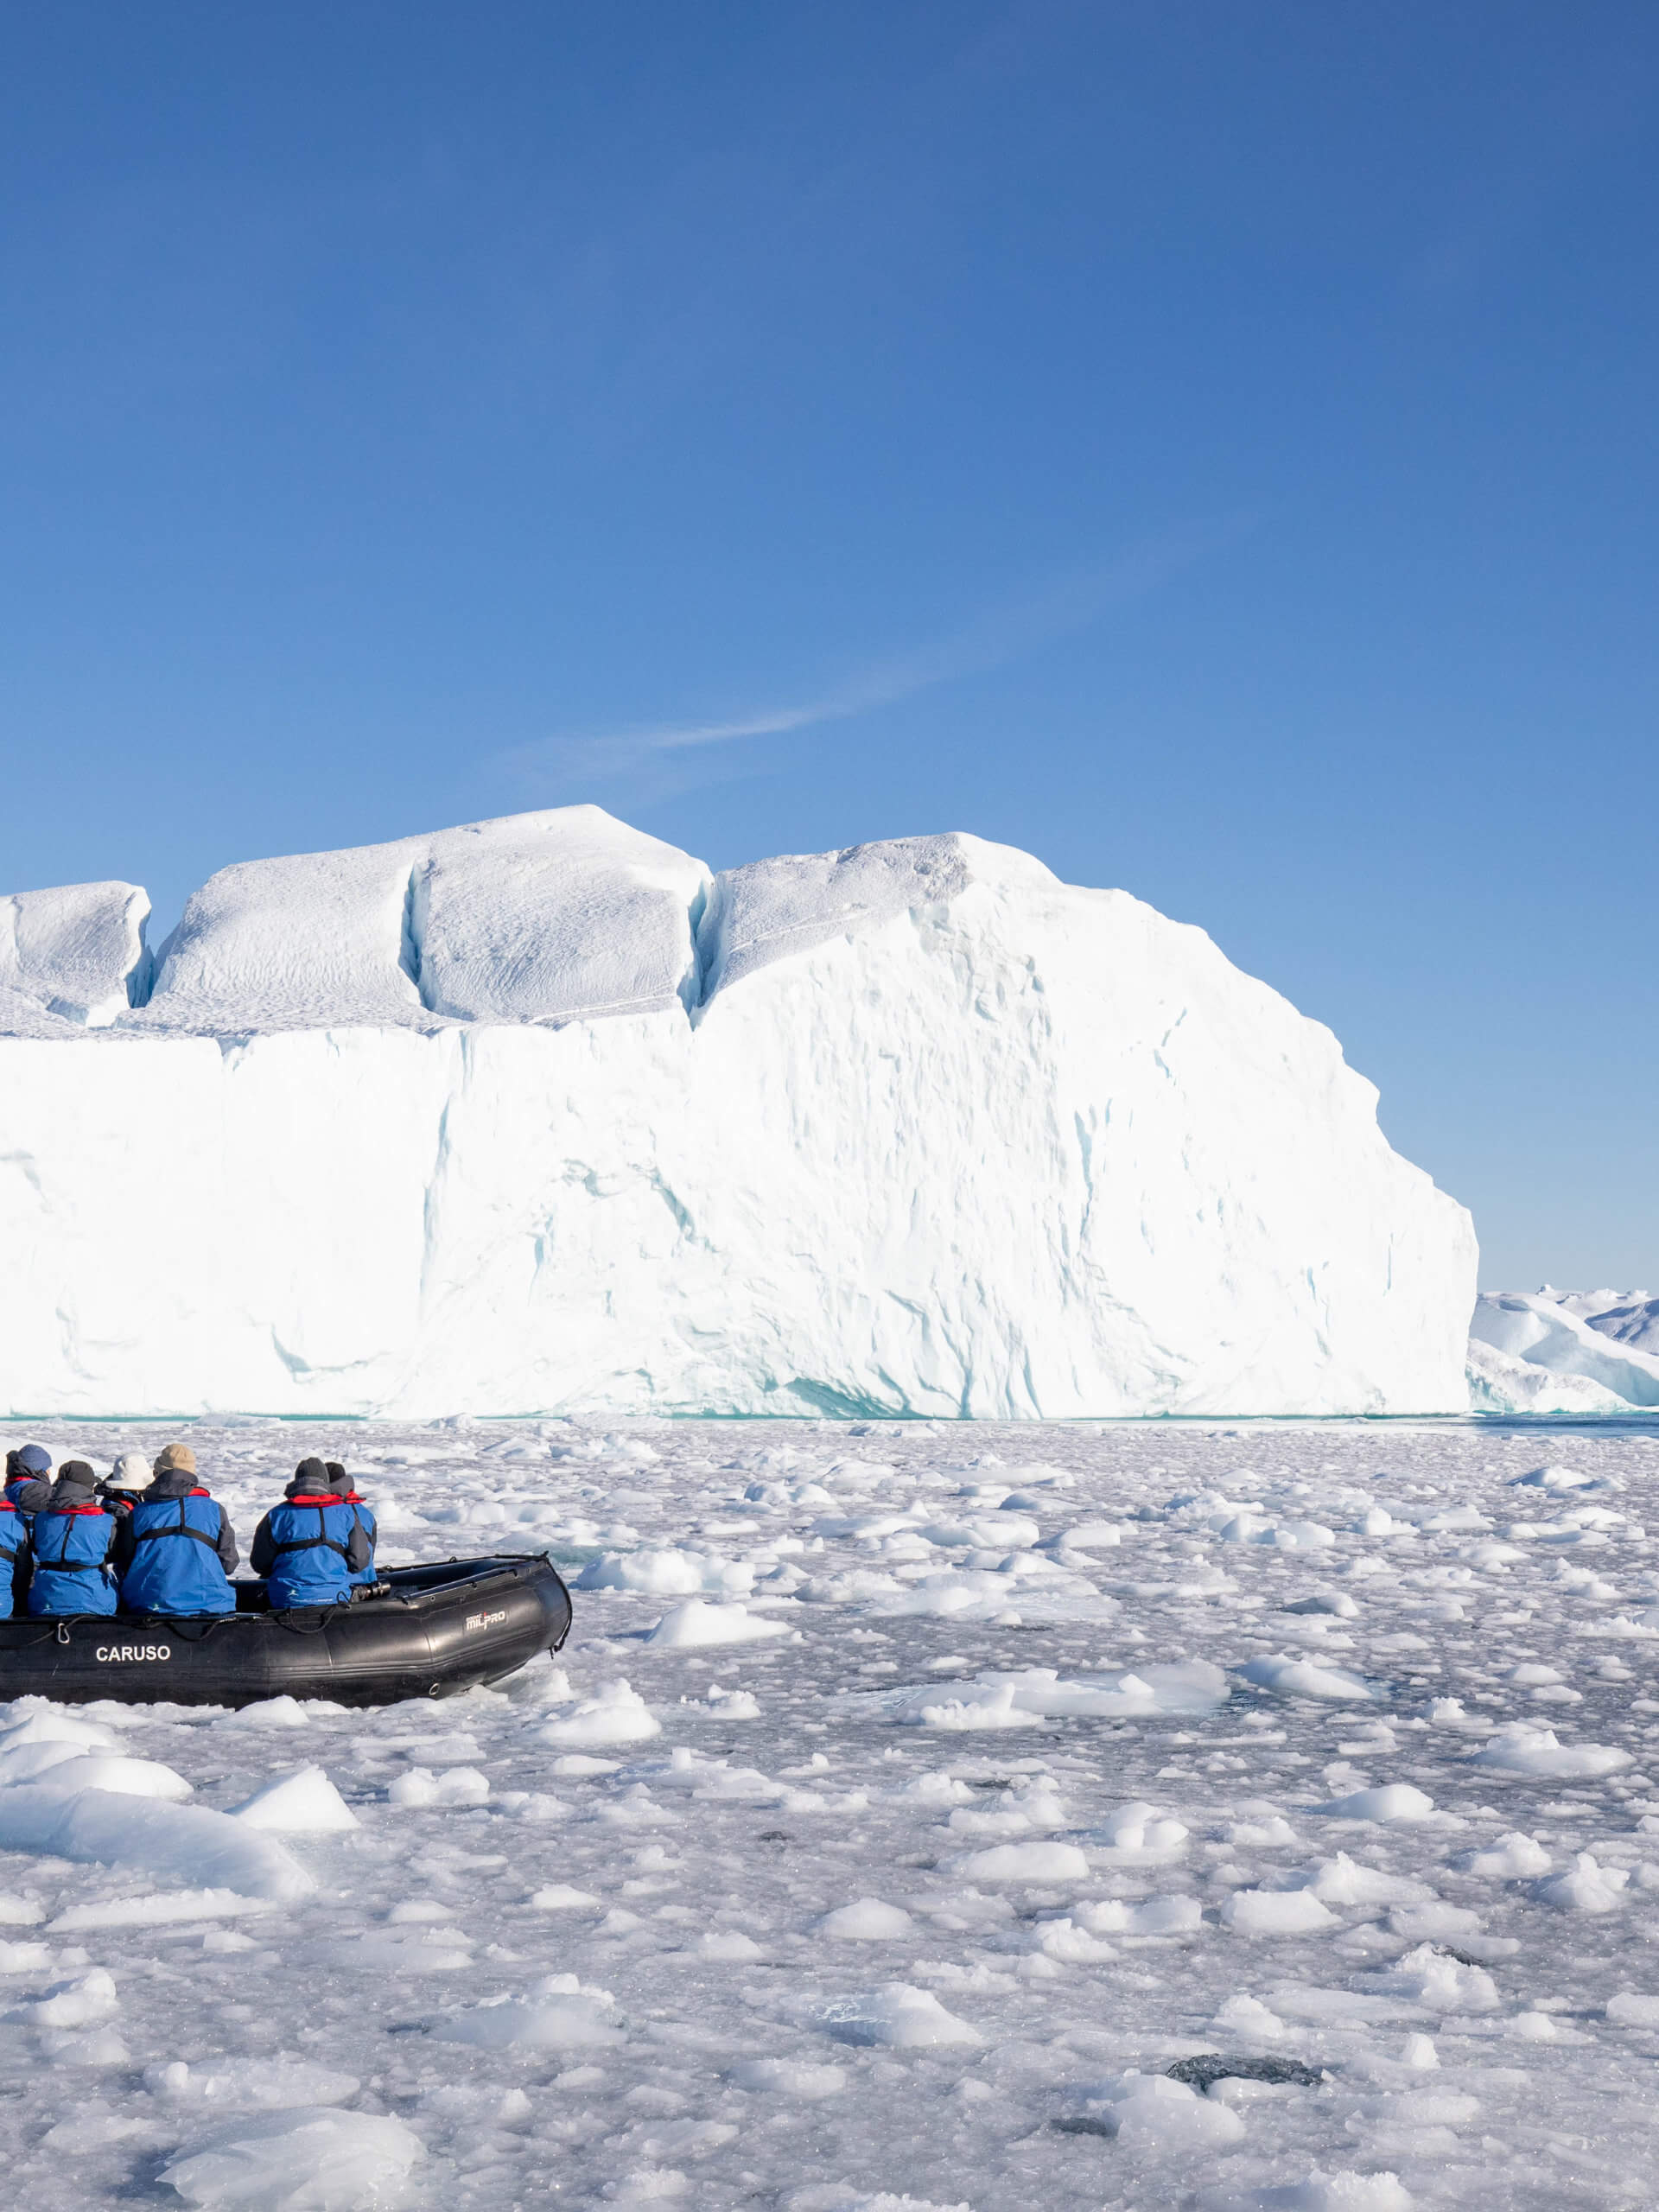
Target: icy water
908,1802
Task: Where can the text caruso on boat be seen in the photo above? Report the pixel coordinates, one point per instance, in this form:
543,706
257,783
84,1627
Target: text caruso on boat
429,1632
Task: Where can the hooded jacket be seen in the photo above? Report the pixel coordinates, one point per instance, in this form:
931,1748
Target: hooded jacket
14,1557
27,1488
176,1551
312,1546
71,1536
342,1484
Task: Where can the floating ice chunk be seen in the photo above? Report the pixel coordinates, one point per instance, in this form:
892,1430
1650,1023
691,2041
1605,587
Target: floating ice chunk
732,1705
456,1785
1342,2191
269,1712
1259,1834
1141,1828
1306,1678
1555,1478
1518,1747
1283,1535
273,2083
51,1727
1343,1880
867,1921
615,1714
795,2078
1072,1945
1024,1862
305,1802
63,1768
1433,1978
558,2013
431,1949
1586,1886
299,2162
895,2016
559,1896
666,1574
1450,1712
697,1624
1513,1858
1275,1912
1250,2019
1165,1916
73,2004
1152,2110
992,1706
206,1849
1093,1535
838,2196
28,1762
1394,1802
1631,2008
1434,1922
163,1908
539,1683
25,1958
730,1944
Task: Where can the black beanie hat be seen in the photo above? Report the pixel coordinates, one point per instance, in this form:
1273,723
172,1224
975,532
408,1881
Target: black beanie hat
76,1472
310,1477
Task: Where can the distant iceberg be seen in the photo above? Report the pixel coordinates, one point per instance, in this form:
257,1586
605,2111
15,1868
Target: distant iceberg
1551,1352
541,1115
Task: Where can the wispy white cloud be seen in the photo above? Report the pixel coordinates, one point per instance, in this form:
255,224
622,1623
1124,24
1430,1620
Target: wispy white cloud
1023,623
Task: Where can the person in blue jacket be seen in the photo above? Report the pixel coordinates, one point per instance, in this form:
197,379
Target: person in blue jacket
342,1484
175,1551
310,1547
28,1477
71,1536
29,1485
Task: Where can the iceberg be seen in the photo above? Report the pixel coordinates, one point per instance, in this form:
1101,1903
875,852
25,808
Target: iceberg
540,1115
1555,1351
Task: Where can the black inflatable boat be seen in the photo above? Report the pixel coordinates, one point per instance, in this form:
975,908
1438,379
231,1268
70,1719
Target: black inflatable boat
432,1632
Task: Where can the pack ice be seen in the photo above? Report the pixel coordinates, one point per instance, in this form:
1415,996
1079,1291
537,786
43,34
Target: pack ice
539,1115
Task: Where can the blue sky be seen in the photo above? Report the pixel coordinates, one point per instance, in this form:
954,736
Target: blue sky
1211,447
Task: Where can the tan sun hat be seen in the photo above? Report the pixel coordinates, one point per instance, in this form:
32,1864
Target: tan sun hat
175,1460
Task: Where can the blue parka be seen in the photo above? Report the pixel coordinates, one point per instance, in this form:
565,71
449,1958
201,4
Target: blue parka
14,1556
365,1521
176,1552
310,1549
72,1538
340,1483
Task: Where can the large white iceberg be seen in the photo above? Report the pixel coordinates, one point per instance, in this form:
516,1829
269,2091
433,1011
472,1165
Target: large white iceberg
539,1115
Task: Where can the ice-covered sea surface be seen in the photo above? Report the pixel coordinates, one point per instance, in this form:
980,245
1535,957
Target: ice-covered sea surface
1250,1818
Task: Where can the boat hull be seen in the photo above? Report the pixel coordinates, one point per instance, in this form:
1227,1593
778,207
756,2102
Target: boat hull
437,1630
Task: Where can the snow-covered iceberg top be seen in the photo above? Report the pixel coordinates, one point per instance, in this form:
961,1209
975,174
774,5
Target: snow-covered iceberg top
541,1113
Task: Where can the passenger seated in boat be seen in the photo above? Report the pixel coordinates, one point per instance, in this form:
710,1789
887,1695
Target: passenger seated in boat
130,1476
343,1486
71,1536
310,1547
175,1551
28,1477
